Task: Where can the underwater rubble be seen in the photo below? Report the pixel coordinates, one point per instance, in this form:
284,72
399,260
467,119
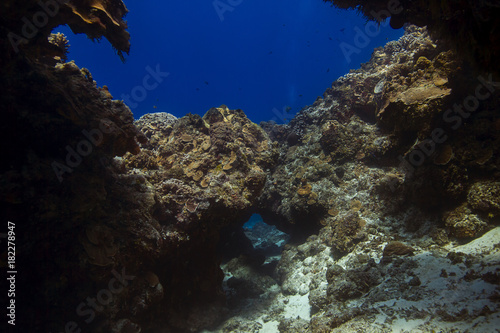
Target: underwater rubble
388,187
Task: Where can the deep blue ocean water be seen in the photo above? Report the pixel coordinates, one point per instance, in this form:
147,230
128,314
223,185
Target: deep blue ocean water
268,58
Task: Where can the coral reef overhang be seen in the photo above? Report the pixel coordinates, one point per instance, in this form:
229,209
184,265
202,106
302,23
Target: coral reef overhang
470,27
27,25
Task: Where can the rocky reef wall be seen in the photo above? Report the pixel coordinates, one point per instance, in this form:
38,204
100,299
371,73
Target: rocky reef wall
415,118
387,175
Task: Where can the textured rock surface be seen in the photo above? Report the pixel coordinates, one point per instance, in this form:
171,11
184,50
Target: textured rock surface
408,148
206,173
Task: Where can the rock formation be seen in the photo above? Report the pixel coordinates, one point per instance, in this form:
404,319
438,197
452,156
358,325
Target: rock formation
392,123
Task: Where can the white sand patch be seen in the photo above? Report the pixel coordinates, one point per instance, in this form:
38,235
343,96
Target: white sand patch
401,325
269,327
485,243
298,306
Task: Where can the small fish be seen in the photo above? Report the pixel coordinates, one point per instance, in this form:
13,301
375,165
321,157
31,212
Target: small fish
270,52
328,70
206,83
154,107
342,30
288,108
330,38
197,89
300,95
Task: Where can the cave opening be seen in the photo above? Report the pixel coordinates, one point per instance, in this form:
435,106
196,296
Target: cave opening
267,240
250,253
256,240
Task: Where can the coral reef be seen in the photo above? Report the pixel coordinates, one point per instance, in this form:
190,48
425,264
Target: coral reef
108,199
367,217
207,173
404,150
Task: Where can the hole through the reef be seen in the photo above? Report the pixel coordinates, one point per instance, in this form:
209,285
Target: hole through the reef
256,240
267,240
250,254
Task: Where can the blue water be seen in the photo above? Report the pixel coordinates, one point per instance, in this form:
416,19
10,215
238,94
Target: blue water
268,58
254,219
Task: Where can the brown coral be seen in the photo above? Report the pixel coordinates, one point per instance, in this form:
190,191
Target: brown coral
96,18
347,232
485,197
304,190
463,223
396,248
